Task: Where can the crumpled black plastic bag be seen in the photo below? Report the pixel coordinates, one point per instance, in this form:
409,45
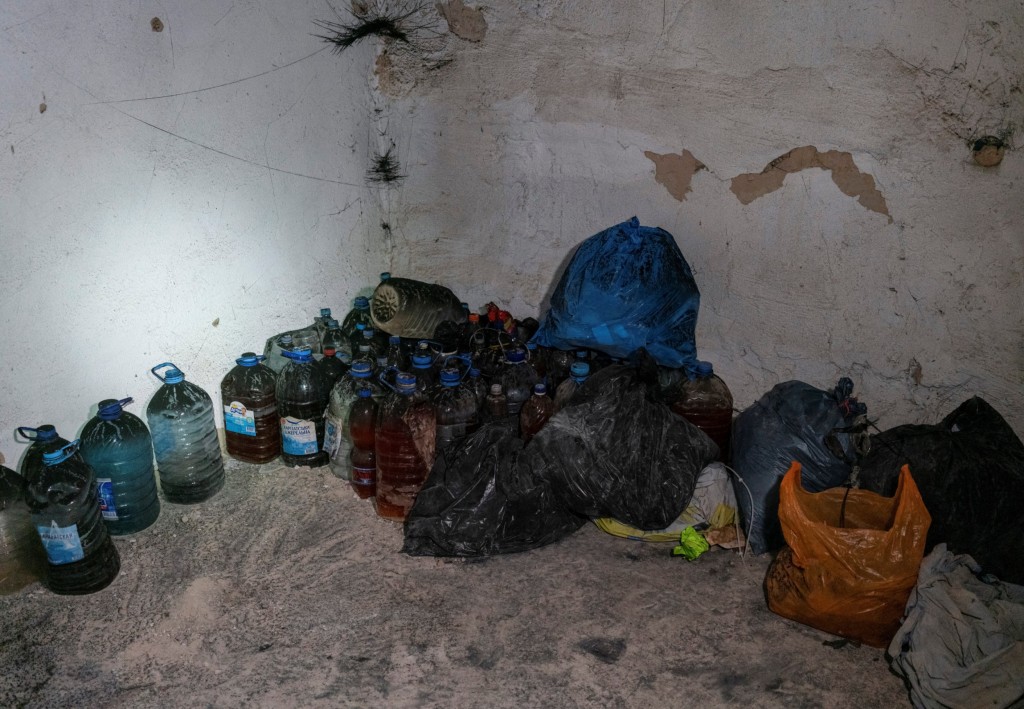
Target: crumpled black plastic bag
617,452
483,497
790,422
970,470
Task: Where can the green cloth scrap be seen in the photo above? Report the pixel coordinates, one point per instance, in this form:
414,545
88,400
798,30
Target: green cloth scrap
691,544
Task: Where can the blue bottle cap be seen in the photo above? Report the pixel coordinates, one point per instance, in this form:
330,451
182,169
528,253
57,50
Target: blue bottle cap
361,303
368,333
43,433
515,355
360,326
249,359
579,370
385,275
325,313
540,389
332,323
705,369
531,346
465,306
345,357
474,372
394,340
361,369
450,377
110,409
285,340
582,354
61,454
172,375
422,361
365,393
301,354
405,383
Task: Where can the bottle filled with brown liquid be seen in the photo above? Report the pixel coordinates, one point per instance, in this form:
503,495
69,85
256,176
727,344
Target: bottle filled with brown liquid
252,430
362,423
404,443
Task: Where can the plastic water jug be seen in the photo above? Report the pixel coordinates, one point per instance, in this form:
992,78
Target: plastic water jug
517,378
578,374
252,429
180,417
117,446
302,397
358,315
706,402
535,412
362,421
455,408
405,438
22,559
408,308
44,438
65,510
337,437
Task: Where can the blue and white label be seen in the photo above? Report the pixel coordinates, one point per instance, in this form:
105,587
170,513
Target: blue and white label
332,437
105,491
61,543
298,436
239,419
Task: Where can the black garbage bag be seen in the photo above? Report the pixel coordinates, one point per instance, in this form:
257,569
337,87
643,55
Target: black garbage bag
970,470
617,452
483,497
793,421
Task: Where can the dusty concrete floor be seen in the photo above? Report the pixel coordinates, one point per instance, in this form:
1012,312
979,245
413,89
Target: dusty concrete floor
286,590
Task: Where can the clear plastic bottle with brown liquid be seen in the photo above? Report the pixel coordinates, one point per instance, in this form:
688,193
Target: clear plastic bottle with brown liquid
404,442
362,423
535,413
252,430
706,402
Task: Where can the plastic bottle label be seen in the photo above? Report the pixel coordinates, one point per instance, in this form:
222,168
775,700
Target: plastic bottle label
61,543
332,437
105,491
364,476
298,436
239,419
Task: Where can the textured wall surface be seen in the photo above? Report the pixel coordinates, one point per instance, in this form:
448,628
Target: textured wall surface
122,245
871,245
874,248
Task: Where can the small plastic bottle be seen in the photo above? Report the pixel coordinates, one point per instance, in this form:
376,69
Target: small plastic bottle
252,429
578,374
395,357
454,407
65,510
535,412
22,559
331,368
362,421
188,460
405,438
302,398
334,337
517,378
496,405
706,402
117,446
338,438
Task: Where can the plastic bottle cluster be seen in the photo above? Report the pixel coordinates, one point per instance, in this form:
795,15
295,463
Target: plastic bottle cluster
376,406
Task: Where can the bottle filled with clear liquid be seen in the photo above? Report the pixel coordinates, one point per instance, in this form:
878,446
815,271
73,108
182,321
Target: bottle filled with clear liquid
517,378
579,372
338,437
252,428
362,422
117,446
65,509
535,412
706,402
188,459
405,439
455,408
22,559
302,398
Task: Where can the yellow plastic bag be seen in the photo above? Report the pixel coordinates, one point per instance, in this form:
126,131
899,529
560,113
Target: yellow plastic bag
851,559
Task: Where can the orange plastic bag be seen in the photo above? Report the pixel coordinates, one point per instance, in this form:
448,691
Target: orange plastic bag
847,569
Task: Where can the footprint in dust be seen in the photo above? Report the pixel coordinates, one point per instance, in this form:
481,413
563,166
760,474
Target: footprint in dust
485,659
604,649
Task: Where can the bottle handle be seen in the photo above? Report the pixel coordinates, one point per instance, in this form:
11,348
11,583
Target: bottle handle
24,432
466,360
162,365
382,377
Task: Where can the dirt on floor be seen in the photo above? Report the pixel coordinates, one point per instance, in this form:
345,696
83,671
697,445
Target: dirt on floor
287,590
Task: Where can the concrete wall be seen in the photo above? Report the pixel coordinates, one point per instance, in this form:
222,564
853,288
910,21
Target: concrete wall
122,245
878,250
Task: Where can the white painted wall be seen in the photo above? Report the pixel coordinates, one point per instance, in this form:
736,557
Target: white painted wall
122,244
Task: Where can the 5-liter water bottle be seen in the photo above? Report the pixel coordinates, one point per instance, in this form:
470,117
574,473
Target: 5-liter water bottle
331,367
44,438
188,460
706,402
535,412
517,378
274,351
454,407
22,559
117,446
65,510
578,374
405,438
362,423
252,429
302,397
337,437
496,405
411,308
358,315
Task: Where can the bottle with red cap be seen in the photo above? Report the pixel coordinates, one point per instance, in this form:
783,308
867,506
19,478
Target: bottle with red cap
332,368
404,442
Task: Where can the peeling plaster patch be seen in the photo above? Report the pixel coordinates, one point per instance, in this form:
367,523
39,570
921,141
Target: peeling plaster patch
465,22
675,172
850,180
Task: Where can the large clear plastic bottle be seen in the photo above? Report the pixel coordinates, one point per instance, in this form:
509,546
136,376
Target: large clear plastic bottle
362,423
65,508
578,374
44,438
252,429
517,378
405,439
535,412
22,559
359,314
455,408
706,402
117,446
302,398
338,438
180,418
411,308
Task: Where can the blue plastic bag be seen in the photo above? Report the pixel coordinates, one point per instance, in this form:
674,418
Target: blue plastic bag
626,287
